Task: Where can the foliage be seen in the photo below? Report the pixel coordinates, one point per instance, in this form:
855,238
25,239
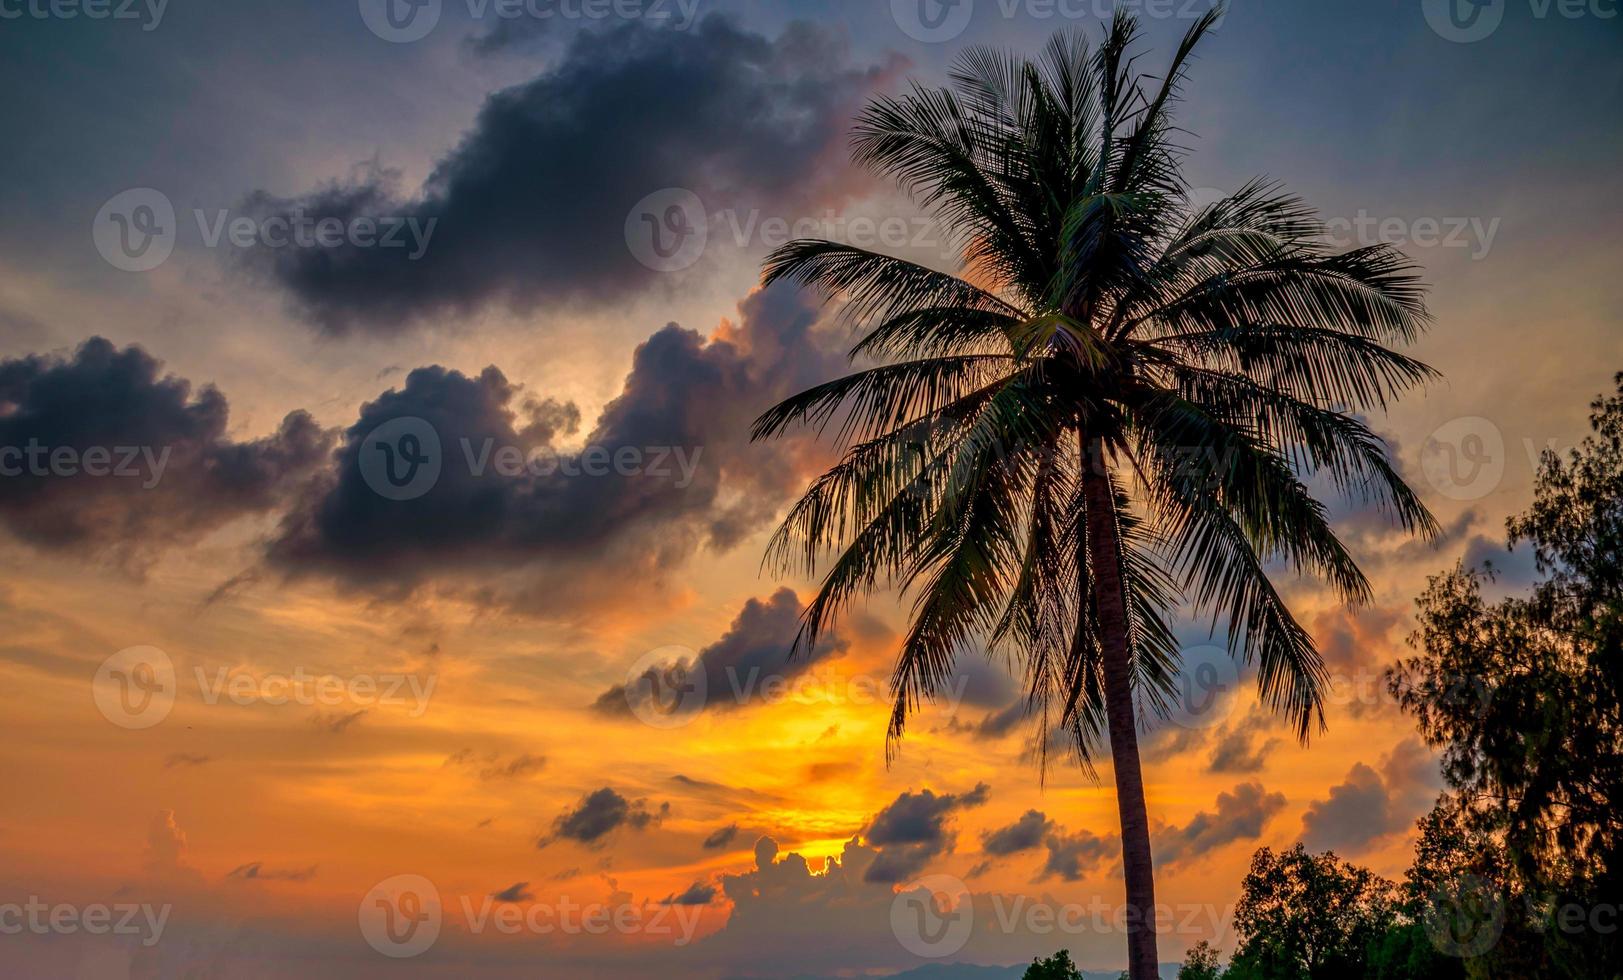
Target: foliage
1522,696
1525,698
1515,872
1117,403
1211,360
1200,963
1056,967
1308,915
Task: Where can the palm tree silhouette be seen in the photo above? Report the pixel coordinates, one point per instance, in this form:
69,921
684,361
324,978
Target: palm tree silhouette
1111,412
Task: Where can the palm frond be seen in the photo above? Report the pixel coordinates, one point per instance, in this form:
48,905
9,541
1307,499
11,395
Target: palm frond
1225,355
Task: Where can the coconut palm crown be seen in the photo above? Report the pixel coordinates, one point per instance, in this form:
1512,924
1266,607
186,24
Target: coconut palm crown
1112,413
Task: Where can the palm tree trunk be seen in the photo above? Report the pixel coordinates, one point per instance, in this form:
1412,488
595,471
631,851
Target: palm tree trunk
1104,544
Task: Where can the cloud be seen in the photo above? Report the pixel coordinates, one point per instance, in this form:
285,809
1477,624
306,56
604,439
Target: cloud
256,871
1357,646
105,456
1366,525
599,814
1240,815
491,766
1514,569
1052,744
709,790
1365,807
512,33
822,772
913,829
531,206
166,844
1071,856
783,911
1024,834
745,665
519,766
1001,722
697,893
519,891
336,723
1355,813
983,682
1413,777
177,759
1353,641
1243,747
721,837
575,526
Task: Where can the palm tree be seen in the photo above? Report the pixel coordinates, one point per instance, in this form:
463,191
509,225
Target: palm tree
1109,414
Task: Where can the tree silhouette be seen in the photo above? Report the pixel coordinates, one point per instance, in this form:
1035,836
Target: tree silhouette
1111,409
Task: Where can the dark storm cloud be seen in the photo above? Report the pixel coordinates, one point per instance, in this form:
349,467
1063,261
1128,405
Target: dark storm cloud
531,206
104,455
1240,815
1025,834
599,814
746,665
696,481
913,829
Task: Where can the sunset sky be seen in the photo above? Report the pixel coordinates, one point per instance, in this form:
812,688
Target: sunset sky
484,721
